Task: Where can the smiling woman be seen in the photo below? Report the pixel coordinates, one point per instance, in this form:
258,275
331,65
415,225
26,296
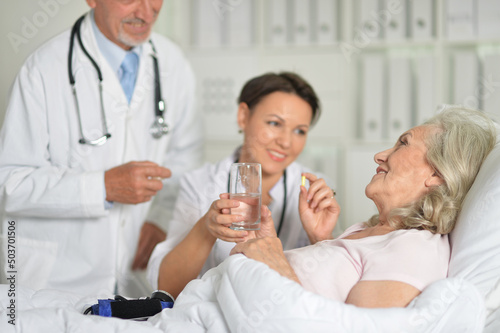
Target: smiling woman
448,151
403,175
418,188
275,114
275,131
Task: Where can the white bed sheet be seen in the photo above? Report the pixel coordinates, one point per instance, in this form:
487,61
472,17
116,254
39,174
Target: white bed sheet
242,295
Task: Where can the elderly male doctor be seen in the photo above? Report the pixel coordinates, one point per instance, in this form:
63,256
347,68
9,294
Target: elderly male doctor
86,187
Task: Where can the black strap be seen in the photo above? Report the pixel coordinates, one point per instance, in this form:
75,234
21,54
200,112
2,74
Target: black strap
160,106
284,205
70,51
76,31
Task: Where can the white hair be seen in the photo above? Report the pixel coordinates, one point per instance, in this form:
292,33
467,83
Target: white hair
456,151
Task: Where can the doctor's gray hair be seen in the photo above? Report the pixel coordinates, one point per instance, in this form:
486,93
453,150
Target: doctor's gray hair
257,88
456,152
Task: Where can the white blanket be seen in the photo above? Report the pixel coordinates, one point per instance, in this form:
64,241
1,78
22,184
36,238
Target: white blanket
242,295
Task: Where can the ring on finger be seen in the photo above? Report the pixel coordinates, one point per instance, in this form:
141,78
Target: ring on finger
333,193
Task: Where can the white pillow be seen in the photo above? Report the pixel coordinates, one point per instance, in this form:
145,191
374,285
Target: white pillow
475,241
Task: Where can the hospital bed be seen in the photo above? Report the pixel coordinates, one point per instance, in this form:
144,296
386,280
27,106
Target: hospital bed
242,295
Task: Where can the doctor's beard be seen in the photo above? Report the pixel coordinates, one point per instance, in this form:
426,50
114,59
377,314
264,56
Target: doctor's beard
126,39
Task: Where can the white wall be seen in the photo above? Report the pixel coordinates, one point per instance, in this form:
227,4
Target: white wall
25,25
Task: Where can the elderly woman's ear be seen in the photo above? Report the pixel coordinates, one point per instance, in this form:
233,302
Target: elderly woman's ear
434,180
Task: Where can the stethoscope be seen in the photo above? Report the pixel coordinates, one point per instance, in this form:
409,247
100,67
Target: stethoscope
159,126
284,200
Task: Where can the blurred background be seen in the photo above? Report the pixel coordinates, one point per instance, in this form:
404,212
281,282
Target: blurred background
378,66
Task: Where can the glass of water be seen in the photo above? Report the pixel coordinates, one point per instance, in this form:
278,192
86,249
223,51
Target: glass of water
245,185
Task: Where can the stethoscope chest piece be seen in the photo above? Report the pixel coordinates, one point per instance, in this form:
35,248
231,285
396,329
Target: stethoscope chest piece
158,128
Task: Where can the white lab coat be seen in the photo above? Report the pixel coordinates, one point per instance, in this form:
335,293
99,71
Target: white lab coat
53,187
200,187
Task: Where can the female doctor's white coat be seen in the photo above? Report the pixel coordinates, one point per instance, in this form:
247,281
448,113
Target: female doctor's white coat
194,201
52,187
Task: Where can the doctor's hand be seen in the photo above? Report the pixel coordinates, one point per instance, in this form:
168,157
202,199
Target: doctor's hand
318,209
134,182
218,219
150,235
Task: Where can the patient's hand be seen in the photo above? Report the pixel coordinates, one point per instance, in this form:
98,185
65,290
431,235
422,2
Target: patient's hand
267,228
269,251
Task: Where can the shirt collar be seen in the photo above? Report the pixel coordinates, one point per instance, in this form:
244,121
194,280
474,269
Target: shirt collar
111,52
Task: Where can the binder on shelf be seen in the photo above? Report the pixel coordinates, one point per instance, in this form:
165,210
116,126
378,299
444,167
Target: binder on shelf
301,23
465,79
372,96
241,24
396,26
425,106
207,25
278,22
460,20
488,19
219,79
398,96
421,23
368,24
490,88
326,22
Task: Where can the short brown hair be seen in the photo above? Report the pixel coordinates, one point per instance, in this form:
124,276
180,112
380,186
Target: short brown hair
257,88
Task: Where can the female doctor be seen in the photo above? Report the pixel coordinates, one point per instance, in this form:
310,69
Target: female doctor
275,114
70,146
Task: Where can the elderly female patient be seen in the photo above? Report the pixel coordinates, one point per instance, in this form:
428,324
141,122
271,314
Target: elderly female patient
418,189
